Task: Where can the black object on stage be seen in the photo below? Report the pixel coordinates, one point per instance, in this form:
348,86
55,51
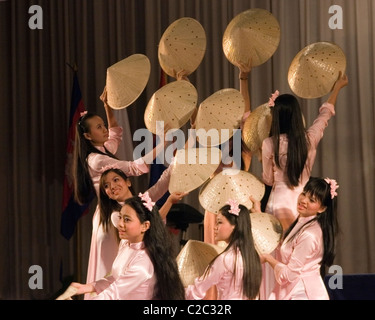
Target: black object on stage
181,215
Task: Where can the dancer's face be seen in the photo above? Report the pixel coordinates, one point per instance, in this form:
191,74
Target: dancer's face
223,229
116,187
129,225
98,132
308,205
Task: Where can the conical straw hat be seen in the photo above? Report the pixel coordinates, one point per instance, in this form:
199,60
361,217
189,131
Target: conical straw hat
68,293
230,184
256,128
222,112
266,230
126,80
194,258
315,69
254,34
173,103
182,47
192,167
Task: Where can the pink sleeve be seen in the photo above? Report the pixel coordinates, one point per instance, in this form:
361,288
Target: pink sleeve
98,162
304,251
161,186
267,162
133,277
197,291
315,132
103,284
114,140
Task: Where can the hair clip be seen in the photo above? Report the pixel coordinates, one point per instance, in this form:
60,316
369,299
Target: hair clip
271,101
147,200
83,113
234,207
334,186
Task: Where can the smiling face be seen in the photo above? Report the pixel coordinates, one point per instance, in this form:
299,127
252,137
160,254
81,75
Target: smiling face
223,229
98,132
116,187
308,205
130,227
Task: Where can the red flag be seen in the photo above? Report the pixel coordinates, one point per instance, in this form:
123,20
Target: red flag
71,210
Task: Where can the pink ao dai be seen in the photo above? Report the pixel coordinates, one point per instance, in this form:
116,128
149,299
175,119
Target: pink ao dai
229,285
132,276
282,202
104,245
298,273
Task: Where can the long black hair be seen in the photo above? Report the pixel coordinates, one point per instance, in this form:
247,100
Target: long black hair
287,119
242,239
159,246
321,190
84,190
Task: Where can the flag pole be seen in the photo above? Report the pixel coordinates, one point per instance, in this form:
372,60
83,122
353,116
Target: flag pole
74,68
78,242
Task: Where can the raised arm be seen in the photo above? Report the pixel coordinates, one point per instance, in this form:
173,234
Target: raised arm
244,89
112,122
182,75
175,197
244,83
341,82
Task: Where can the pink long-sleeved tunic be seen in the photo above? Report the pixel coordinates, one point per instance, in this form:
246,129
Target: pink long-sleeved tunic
283,199
300,264
229,285
282,202
104,245
132,276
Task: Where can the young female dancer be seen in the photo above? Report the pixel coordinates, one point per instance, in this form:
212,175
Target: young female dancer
308,247
288,156
209,217
115,187
236,272
95,146
145,268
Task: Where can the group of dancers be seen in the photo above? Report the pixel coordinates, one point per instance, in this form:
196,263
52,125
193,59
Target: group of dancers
131,253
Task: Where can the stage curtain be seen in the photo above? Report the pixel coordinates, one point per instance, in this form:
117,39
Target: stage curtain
35,95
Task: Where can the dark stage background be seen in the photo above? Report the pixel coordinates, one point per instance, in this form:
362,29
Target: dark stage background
35,95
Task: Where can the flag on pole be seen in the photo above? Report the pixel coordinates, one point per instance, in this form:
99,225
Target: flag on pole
71,210
156,169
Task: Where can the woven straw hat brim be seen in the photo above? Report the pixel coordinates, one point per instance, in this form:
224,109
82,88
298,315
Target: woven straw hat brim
256,128
230,184
173,103
194,258
315,69
68,293
222,112
192,167
126,80
266,230
255,34
182,47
